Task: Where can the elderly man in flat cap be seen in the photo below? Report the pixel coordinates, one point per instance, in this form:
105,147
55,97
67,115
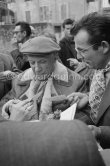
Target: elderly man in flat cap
42,90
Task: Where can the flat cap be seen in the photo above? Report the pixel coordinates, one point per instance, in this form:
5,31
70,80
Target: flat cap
39,45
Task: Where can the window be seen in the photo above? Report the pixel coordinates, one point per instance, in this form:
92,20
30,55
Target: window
28,16
27,0
44,13
10,1
63,11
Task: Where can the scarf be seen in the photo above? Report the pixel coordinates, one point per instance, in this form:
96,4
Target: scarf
42,93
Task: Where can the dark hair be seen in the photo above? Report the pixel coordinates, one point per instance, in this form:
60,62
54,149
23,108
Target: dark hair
97,25
67,22
24,27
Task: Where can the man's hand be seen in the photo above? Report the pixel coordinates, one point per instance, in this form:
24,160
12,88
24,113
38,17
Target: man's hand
7,75
73,62
82,99
62,104
96,131
14,43
19,110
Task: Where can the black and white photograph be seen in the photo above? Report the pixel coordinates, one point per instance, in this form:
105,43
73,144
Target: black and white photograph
54,82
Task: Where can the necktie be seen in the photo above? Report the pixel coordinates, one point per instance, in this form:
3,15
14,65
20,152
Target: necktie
97,89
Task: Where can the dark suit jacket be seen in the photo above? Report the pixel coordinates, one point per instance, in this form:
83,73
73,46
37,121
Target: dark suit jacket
67,52
52,143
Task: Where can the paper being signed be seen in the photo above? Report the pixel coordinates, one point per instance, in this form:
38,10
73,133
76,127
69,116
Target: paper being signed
69,113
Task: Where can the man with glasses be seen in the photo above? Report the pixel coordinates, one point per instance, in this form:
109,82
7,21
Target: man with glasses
22,33
92,42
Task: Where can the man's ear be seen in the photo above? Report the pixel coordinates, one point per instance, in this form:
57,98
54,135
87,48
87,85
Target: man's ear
24,32
105,46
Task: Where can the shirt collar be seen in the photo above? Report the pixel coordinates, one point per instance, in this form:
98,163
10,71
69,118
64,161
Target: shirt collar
60,72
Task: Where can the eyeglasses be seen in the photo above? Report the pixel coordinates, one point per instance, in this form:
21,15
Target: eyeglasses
81,52
16,32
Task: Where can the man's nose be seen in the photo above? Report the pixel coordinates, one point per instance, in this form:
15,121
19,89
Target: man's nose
79,57
14,35
68,31
37,67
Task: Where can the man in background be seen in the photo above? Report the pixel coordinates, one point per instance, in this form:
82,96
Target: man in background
22,33
8,71
67,44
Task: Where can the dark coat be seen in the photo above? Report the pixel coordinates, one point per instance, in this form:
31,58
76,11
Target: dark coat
51,143
67,51
6,63
20,60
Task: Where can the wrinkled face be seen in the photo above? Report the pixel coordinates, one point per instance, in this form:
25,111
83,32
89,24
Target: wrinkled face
42,66
67,29
19,34
93,57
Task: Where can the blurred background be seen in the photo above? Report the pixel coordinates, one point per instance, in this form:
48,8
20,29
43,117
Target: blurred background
43,14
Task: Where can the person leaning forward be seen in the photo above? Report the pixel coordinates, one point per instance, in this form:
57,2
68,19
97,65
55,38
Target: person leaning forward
92,41
36,88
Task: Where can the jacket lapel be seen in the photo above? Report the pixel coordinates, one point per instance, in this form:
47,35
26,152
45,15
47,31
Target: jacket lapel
64,83
104,103
21,86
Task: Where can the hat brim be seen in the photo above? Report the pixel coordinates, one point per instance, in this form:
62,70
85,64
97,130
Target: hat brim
38,54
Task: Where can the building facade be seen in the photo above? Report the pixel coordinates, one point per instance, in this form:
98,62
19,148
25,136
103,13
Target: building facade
52,11
6,15
98,5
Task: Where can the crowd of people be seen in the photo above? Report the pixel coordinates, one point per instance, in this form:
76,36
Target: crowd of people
42,78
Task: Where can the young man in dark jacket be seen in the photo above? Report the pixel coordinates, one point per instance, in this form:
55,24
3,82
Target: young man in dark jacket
67,44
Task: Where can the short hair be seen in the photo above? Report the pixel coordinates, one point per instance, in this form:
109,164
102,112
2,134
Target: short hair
97,25
67,22
24,27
